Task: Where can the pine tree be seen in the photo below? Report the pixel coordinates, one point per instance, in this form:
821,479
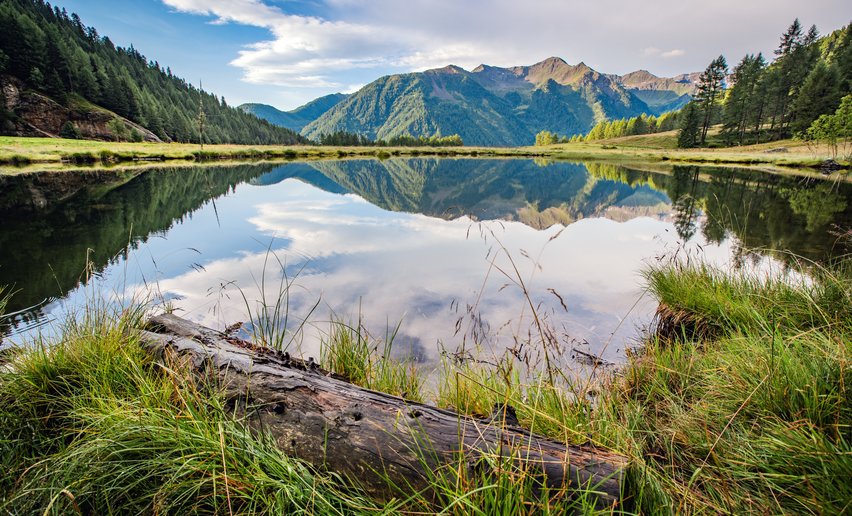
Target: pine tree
790,40
819,94
796,57
742,105
640,125
710,86
690,127
842,58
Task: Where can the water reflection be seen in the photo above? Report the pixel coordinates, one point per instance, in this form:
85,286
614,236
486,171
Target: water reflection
54,223
431,242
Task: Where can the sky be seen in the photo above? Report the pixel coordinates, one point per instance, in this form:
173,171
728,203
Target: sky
288,52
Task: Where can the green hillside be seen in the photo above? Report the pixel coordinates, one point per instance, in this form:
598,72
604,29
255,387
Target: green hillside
273,115
488,105
67,79
297,118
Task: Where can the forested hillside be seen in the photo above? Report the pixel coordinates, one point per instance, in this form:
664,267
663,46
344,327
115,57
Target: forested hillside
48,51
807,79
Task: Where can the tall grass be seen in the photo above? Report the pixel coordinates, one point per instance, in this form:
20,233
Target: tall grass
365,361
740,405
4,301
717,302
743,407
271,315
92,425
497,485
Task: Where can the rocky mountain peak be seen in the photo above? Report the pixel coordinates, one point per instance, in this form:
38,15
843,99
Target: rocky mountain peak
450,69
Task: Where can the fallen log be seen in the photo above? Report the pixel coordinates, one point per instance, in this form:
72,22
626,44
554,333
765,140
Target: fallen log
371,437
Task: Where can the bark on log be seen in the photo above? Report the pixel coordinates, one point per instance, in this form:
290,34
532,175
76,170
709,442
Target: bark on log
367,435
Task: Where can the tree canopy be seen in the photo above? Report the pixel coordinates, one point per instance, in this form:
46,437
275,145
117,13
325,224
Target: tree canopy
758,101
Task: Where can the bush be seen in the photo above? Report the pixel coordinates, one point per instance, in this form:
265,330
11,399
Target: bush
70,131
118,129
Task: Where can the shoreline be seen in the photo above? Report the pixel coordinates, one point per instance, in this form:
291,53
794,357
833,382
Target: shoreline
19,152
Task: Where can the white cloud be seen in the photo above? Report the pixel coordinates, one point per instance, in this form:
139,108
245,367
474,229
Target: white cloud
410,267
355,37
303,50
665,54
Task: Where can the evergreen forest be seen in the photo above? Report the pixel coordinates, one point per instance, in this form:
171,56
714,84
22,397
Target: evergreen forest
52,52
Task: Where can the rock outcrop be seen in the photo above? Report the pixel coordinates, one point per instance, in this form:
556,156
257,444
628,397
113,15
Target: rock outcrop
33,114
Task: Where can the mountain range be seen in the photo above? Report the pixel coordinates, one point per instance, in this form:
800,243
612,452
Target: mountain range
488,105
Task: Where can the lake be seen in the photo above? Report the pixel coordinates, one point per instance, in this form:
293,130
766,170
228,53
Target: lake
454,256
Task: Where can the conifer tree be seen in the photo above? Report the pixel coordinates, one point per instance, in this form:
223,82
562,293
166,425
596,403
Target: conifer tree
710,86
842,58
640,125
742,105
819,94
790,40
796,57
689,133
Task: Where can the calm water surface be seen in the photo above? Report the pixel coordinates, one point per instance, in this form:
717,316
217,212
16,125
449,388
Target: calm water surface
441,247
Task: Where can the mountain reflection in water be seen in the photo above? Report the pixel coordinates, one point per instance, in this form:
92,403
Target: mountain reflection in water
429,242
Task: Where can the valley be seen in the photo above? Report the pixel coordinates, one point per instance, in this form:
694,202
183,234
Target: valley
451,276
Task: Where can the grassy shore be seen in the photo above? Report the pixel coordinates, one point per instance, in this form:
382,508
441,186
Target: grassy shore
649,148
663,146
15,150
738,404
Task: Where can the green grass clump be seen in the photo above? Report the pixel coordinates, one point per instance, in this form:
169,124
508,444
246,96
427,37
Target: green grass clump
497,485
350,351
19,159
719,303
742,406
746,411
475,389
108,156
540,406
80,157
91,424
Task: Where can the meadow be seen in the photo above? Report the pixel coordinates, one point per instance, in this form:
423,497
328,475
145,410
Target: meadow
19,154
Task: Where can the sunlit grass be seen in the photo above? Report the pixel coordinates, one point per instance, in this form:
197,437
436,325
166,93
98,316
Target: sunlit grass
742,409
20,151
746,409
365,361
91,424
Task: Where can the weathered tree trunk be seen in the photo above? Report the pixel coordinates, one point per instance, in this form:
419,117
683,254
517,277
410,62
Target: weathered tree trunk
371,437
